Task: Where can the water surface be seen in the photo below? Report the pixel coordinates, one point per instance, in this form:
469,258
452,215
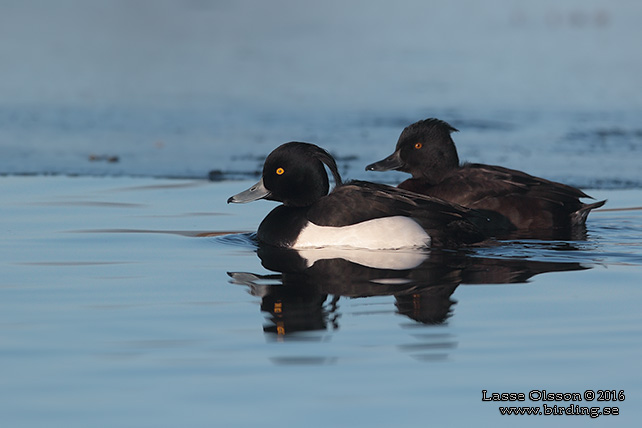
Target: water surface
144,302
132,295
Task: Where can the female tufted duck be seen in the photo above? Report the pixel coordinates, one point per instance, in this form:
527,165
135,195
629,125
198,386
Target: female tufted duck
355,214
512,200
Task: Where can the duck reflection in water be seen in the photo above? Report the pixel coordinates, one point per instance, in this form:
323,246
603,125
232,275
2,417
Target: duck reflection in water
304,291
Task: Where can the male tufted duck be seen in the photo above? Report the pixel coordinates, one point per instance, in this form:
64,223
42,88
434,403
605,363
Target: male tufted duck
355,214
512,200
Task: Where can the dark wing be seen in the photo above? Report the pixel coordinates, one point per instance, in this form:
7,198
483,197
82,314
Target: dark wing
474,182
525,200
358,201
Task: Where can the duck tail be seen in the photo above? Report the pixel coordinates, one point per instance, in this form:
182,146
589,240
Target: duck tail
578,218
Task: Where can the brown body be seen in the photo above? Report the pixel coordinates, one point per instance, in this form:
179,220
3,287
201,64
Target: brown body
511,200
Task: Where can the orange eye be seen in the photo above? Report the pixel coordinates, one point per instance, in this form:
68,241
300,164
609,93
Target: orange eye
418,145
280,171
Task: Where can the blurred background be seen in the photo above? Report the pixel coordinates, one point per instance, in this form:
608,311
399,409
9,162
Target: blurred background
112,314
198,88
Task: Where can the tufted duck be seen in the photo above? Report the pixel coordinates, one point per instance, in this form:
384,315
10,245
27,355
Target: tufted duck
512,200
355,214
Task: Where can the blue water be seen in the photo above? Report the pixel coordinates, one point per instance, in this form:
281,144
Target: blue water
133,295
182,88
121,306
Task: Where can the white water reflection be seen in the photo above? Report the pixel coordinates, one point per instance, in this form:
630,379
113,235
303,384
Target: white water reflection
300,296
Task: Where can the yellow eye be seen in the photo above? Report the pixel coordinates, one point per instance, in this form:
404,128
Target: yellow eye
280,171
418,145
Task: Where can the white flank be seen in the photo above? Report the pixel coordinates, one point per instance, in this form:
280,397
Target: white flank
387,233
378,259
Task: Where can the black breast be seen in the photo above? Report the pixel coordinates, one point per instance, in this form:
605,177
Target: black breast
281,227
